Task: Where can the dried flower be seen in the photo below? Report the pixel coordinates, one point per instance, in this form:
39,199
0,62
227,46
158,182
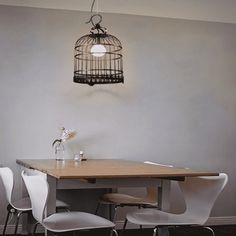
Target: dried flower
65,135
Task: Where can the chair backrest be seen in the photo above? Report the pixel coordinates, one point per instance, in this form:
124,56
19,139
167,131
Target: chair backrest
38,189
200,194
8,182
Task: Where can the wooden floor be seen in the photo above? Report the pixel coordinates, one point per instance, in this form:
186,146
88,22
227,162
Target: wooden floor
219,231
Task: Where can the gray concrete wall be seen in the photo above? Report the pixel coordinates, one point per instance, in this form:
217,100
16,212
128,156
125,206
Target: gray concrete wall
177,104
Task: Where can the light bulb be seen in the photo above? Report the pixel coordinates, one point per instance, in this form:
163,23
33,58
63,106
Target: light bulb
98,50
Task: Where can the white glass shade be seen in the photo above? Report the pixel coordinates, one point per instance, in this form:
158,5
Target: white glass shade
98,50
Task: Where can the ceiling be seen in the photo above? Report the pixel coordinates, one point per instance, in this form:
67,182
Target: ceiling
206,10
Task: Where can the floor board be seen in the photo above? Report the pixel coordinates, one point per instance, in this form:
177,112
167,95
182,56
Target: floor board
229,230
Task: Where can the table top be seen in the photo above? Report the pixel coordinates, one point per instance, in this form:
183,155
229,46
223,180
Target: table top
107,168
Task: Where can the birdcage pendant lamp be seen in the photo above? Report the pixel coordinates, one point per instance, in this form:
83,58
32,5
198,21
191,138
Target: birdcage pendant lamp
98,57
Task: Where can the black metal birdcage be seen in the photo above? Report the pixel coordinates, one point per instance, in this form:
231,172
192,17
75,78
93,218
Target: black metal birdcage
98,57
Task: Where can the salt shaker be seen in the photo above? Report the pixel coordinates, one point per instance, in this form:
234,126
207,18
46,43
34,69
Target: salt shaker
81,156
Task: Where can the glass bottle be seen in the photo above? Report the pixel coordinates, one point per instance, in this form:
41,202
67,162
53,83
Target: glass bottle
59,151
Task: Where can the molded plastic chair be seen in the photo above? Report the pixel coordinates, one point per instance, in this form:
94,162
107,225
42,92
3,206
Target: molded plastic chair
199,193
122,200
38,190
22,205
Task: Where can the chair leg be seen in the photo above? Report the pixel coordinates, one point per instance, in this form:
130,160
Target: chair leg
17,221
114,231
124,226
209,229
35,228
97,208
6,221
155,231
115,211
140,226
111,218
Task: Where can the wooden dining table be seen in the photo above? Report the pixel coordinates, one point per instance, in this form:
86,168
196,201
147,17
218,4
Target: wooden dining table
108,173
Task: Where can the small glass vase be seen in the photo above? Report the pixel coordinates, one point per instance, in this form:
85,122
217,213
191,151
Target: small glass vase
59,151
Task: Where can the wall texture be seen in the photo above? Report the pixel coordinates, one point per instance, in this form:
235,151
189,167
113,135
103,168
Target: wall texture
177,104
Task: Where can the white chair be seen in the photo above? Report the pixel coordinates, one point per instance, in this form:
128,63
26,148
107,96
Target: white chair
122,200
19,206
199,193
38,190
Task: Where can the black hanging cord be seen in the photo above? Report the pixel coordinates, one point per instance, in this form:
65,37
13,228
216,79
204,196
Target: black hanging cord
92,6
92,15
96,26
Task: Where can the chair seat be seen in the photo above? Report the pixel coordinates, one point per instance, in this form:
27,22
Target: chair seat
119,199
23,204
70,221
154,217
